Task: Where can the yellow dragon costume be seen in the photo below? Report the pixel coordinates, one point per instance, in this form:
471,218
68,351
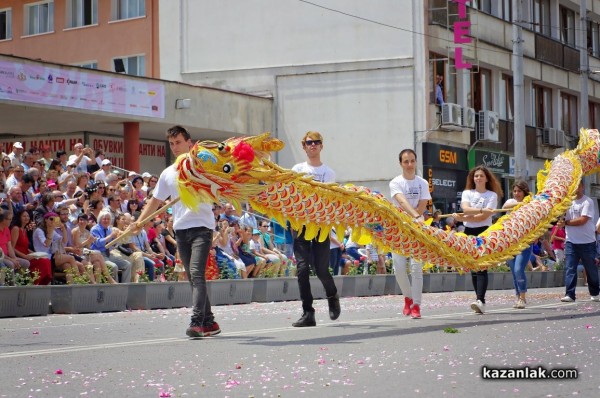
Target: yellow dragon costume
239,169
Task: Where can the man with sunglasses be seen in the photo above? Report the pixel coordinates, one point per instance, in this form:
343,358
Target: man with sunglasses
312,252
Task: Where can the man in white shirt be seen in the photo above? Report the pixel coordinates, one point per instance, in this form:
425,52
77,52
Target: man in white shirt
313,251
104,171
194,234
580,245
81,157
410,193
16,155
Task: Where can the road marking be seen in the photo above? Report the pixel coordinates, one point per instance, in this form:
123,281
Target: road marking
135,343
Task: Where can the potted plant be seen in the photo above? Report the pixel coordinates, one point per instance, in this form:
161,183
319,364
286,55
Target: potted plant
23,298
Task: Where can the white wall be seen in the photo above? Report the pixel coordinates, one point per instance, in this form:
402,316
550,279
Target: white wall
221,35
348,78
364,116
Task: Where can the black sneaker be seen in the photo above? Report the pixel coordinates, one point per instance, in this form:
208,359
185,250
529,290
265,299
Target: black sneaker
334,307
307,319
196,331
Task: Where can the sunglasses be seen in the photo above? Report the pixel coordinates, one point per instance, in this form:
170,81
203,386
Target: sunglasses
312,142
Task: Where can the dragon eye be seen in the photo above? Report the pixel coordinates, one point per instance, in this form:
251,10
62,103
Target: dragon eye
222,148
227,168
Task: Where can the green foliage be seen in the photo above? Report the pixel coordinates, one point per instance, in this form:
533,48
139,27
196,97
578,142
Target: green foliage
451,330
77,279
20,277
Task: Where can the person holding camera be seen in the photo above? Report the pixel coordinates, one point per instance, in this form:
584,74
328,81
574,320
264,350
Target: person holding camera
81,157
50,238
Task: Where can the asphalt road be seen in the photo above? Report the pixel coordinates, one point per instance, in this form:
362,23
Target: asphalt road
371,351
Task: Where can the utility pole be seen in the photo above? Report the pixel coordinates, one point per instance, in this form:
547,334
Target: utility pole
519,93
585,68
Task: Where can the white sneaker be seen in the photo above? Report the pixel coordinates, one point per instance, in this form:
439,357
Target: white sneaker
478,307
595,298
520,304
567,299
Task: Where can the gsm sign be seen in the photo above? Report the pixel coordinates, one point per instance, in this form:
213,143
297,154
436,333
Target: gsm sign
448,157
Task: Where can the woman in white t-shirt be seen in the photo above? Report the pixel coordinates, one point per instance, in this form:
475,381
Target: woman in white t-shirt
478,202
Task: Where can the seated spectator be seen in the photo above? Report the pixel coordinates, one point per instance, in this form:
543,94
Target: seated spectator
20,241
141,244
256,249
157,242
67,176
10,258
47,238
83,239
248,219
138,193
277,258
105,234
224,251
94,210
122,222
352,247
229,213
242,248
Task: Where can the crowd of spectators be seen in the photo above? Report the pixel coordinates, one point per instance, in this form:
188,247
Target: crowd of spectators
58,212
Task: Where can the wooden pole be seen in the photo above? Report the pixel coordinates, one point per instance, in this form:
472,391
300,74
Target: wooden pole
129,232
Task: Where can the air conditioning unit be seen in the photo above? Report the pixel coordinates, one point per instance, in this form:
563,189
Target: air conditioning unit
549,136
488,126
451,116
468,118
560,139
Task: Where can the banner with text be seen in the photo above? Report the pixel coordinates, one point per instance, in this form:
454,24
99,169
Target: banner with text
79,89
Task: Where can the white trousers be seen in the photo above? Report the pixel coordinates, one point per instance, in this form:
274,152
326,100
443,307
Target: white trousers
414,292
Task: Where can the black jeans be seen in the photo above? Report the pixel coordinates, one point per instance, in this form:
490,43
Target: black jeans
479,278
194,246
316,254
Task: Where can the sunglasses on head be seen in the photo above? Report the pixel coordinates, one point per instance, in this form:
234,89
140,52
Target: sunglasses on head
312,142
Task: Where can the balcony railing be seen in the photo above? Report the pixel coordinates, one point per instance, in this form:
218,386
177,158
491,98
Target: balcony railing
556,53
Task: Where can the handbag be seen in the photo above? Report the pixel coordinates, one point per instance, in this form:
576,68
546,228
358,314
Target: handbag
126,251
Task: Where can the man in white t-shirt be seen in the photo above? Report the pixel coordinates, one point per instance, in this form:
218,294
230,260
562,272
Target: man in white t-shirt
81,157
313,251
194,233
580,245
102,174
410,193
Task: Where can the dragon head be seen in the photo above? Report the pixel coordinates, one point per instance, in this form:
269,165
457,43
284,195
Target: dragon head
232,170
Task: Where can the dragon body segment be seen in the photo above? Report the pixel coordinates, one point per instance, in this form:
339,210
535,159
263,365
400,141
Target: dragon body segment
239,169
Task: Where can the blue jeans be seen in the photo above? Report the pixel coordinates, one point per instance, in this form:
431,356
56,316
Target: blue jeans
194,246
586,252
335,255
517,267
149,264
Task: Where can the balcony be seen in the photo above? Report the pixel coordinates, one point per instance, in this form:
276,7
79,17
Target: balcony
553,52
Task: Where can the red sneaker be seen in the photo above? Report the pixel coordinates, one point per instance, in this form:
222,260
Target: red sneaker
407,304
415,312
210,329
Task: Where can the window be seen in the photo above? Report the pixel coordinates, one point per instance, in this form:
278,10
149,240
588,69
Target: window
480,90
125,9
440,66
506,98
540,15
482,5
541,114
88,65
567,26
39,17
593,38
593,114
82,13
133,65
569,114
5,24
